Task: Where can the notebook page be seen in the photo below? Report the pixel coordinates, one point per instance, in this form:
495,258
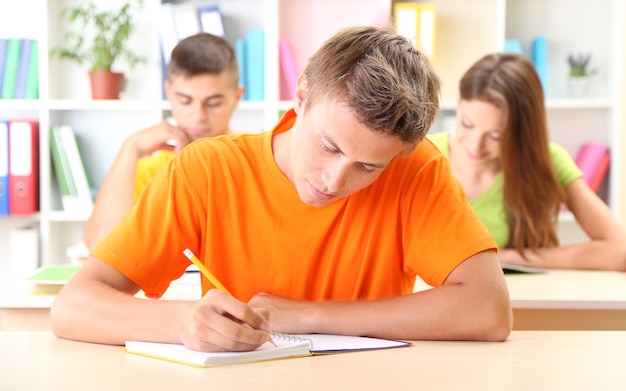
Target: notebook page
328,344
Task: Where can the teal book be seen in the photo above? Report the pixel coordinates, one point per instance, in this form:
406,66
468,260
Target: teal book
255,64
32,79
240,53
11,64
540,59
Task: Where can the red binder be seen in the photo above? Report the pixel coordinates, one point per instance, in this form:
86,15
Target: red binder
23,167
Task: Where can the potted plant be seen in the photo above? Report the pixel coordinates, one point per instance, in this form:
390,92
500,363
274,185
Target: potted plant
579,73
111,30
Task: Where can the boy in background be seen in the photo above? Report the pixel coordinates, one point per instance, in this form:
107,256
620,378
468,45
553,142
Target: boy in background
203,89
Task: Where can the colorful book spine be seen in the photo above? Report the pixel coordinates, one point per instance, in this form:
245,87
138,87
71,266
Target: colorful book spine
11,64
211,20
4,168
3,54
540,59
23,167
255,64
593,159
288,67
416,21
32,81
186,20
240,53
78,170
62,172
22,69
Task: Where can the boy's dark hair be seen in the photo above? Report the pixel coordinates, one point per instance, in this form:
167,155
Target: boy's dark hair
391,86
203,53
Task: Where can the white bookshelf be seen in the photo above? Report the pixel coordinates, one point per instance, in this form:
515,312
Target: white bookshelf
466,30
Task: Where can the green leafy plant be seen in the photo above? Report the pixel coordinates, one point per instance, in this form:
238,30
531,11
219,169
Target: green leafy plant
578,65
111,27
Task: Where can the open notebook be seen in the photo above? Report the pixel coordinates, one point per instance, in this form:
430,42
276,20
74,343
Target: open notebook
288,346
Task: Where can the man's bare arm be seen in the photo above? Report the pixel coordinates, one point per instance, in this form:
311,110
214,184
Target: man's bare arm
472,304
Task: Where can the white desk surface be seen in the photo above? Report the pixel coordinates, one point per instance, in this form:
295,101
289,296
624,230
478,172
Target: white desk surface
529,360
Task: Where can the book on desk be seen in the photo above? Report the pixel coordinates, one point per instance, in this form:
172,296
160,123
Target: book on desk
287,346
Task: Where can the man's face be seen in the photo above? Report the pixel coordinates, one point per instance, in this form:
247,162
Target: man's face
202,104
333,155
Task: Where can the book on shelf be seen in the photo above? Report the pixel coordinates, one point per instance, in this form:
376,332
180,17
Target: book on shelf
23,166
287,346
416,21
539,57
74,182
240,53
211,20
254,66
3,54
32,78
22,69
186,19
168,35
288,67
11,65
4,168
593,159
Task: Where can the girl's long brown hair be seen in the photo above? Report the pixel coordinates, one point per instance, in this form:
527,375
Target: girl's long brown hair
532,193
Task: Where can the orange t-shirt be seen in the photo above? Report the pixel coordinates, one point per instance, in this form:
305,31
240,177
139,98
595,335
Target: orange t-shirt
226,200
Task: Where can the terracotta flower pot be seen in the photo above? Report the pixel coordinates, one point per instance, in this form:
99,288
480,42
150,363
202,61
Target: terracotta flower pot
106,84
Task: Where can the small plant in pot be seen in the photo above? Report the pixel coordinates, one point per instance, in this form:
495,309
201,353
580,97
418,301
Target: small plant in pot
579,74
579,65
112,27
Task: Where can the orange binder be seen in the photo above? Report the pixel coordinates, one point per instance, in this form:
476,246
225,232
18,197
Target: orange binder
23,167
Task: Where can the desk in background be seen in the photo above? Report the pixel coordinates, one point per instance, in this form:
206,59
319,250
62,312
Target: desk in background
566,300
557,300
569,300
551,360
21,310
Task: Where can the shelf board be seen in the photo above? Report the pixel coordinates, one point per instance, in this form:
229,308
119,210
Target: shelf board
551,104
104,105
20,104
62,216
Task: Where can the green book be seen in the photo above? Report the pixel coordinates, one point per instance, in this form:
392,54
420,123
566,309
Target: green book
11,65
32,78
60,163
51,278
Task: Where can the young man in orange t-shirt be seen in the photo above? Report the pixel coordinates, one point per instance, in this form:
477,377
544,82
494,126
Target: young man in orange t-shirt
319,226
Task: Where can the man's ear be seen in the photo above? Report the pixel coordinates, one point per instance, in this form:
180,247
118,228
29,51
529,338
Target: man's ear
299,96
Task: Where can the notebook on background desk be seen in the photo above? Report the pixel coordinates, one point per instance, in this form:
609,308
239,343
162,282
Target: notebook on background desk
288,346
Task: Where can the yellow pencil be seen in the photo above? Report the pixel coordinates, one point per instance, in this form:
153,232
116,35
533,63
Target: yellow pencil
216,283
205,272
